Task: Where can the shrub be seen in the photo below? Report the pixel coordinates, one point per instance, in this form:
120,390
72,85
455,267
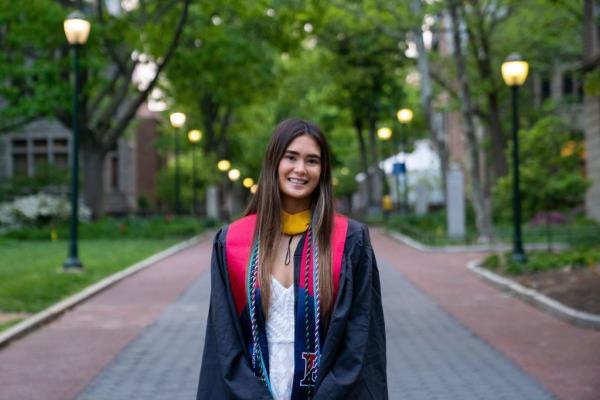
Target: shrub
156,227
37,210
551,172
47,176
539,261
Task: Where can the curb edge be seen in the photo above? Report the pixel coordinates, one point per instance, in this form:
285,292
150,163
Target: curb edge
579,318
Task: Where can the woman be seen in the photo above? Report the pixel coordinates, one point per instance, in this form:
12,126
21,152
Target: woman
295,307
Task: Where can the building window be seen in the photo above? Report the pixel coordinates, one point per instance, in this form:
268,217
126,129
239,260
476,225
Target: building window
19,164
40,154
61,161
546,91
567,86
19,157
32,155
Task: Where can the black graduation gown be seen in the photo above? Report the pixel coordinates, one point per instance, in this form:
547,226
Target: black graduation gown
353,363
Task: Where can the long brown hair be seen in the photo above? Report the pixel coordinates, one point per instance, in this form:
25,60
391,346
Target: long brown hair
267,207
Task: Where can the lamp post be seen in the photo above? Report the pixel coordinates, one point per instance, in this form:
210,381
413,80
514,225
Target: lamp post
194,136
404,116
77,30
234,174
224,165
177,121
514,73
385,134
248,183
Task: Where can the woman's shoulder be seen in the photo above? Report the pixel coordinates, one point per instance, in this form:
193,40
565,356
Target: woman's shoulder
354,226
357,232
242,224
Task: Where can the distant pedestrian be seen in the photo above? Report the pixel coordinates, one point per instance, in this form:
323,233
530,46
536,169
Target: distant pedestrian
295,305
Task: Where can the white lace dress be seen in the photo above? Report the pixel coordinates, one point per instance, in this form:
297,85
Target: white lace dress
280,336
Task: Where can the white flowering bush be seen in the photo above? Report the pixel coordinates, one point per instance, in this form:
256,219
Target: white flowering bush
37,209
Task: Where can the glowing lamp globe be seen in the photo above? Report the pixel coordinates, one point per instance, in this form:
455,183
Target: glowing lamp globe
223,165
234,174
77,28
384,133
514,70
404,115
177,119
248,182
194,136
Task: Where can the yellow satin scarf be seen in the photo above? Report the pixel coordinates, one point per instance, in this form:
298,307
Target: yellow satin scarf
294,224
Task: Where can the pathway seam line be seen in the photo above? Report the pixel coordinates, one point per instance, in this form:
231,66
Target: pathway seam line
539,300
56,310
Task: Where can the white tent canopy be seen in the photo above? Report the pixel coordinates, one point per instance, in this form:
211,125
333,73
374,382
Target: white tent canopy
423,171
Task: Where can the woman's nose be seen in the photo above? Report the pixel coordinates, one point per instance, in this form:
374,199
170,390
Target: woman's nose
300,167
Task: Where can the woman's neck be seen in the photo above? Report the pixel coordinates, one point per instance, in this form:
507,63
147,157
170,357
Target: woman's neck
295,206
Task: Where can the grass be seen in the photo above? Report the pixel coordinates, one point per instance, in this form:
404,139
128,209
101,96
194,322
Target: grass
31,276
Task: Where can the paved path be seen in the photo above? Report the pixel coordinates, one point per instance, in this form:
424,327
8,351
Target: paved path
565,359
450,336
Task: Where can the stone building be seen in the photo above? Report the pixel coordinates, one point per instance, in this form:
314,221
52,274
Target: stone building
591,109
130,168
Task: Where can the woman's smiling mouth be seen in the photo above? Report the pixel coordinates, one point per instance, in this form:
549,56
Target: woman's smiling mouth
297,181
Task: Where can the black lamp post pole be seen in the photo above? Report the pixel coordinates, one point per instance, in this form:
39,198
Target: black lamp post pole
405,193
177,199
193,179
73,259
396,173
518,253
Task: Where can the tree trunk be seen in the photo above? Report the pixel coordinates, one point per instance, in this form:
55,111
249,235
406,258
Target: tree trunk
479,43
363,158
435,130
93,181
377,173
482,212
498,138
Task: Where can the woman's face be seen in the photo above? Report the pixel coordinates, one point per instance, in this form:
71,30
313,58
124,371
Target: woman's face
299,172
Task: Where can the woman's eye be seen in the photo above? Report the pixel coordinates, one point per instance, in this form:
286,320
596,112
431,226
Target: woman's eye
289,157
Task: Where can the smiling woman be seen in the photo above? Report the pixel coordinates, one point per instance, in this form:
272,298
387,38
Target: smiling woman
304,327
298,173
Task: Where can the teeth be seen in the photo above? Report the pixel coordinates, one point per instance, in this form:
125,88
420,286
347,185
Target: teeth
294,180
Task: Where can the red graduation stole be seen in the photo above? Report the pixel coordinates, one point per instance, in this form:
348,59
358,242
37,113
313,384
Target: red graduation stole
237,254
307,337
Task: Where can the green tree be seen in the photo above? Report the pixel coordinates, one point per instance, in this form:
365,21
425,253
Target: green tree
365,64
551,171
120,42
33,66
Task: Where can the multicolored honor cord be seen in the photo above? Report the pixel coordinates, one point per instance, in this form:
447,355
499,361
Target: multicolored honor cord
258,362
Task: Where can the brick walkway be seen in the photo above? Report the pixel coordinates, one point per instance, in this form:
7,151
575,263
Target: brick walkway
450,336
563,358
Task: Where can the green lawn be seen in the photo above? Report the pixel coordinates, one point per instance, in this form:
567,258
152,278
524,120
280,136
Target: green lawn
31,276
